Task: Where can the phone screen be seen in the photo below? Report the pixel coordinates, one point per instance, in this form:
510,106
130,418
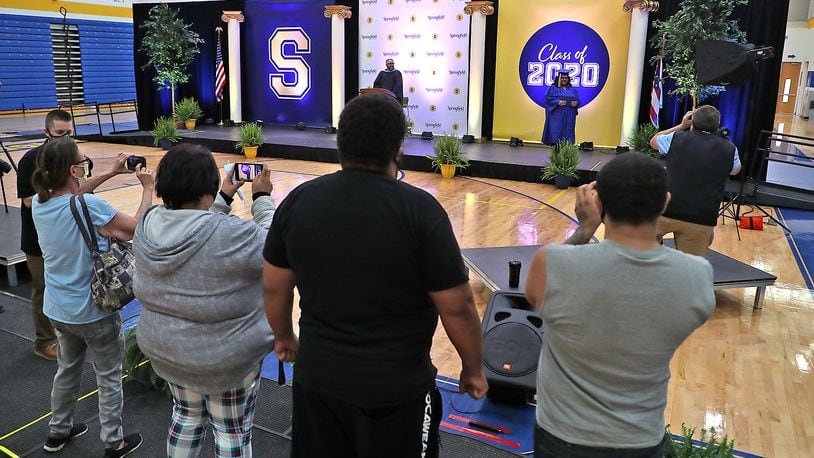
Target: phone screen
133,162
245,171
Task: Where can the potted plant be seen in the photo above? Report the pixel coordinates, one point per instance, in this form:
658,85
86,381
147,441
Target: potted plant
563,161
408,126
705,446
187,111
138,368
164,133
251,137
447,149
640,140
170,47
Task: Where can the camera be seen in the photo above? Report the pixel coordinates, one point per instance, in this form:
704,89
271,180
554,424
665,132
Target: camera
5,167
247,171
134,161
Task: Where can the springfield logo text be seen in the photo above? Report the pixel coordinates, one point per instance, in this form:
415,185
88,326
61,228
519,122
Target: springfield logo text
369,2
455,109
368,71
437,17
370,37
435,89
414,106
412,36
458,35
412,1
390,18
457,72
412,72
432,124
435,53
390,53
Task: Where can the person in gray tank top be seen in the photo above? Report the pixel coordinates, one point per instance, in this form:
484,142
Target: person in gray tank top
614,313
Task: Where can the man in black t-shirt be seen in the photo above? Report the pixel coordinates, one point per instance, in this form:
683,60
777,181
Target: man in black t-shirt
699,162
375,262
57,124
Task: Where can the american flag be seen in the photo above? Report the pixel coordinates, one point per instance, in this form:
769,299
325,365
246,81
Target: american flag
220,73
655,95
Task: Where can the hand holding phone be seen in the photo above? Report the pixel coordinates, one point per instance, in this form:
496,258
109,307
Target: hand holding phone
136,162
247,171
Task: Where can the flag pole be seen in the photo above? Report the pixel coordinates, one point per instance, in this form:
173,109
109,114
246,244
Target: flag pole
220,102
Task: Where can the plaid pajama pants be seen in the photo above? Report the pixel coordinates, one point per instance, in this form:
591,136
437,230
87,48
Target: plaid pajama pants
231,415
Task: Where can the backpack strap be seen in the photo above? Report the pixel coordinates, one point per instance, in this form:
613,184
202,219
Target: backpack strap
87,232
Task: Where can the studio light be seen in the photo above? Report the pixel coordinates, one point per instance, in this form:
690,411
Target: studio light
426,135
586,146
514,141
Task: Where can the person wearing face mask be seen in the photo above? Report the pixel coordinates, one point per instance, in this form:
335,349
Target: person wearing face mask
57,124
561,102
376,263
79,324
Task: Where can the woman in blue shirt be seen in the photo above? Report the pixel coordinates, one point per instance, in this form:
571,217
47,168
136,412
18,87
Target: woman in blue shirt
62,171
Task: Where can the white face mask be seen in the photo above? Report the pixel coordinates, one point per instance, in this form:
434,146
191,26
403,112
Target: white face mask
85,172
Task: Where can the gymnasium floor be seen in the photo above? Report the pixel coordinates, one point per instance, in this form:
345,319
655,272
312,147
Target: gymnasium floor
747,373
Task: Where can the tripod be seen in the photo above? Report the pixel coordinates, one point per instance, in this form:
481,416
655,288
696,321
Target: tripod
733,207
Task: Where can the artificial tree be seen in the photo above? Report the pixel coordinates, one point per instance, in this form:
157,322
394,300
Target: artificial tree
696,20
170,46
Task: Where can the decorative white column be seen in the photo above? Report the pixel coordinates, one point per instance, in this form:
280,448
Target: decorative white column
640,9
478,12
233,20
337,14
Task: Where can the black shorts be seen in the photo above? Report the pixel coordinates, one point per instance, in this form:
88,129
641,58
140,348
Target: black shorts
326,426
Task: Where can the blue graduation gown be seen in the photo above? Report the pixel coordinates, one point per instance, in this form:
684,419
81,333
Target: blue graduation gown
560,122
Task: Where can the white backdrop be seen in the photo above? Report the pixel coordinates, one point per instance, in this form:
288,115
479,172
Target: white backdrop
429,42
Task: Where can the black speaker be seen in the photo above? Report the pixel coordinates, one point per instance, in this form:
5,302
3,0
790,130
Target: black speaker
514,141
300,126
468,139
586,146
726,62
512,338
426,135
622,149
330,130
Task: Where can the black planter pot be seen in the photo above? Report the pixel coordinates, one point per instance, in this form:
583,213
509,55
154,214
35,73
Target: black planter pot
562,181
165,144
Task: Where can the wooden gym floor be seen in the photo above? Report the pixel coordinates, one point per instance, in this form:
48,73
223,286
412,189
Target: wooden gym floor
747,373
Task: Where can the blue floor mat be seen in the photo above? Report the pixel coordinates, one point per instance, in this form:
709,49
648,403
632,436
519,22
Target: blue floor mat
801,240
503,426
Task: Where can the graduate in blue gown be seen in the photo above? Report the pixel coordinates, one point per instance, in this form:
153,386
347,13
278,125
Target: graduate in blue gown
561,102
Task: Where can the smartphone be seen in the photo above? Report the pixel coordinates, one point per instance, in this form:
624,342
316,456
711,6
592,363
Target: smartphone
247,171
134,161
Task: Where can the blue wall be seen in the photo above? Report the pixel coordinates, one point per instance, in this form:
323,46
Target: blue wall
27,66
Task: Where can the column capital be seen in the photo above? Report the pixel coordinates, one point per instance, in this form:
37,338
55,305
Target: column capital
232,15
648,6
484,7
340,11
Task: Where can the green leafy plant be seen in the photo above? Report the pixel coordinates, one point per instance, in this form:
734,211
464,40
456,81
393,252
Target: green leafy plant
164,129
170,46
706,447
696,20
187,108
640,140
447,149
562,160
408,126
251,134
138,368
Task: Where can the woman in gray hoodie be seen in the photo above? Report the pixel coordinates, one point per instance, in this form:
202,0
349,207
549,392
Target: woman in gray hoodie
199,283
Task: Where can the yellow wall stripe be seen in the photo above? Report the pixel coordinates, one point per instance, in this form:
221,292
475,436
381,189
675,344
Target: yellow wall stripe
52,6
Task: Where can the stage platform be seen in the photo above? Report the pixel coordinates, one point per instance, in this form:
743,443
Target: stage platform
491,266
487,160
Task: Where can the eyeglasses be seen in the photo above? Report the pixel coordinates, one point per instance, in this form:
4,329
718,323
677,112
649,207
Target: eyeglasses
86,164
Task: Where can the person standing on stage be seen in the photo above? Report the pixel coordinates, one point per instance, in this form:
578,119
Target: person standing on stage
561,102
376,264
699,162
390,79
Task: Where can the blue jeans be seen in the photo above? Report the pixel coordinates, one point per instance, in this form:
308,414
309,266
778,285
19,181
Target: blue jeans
548,445
105,340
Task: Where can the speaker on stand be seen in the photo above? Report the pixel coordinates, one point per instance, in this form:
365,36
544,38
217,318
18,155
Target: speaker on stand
512,338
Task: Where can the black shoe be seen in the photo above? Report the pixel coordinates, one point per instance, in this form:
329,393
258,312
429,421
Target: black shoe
131,443
55,444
